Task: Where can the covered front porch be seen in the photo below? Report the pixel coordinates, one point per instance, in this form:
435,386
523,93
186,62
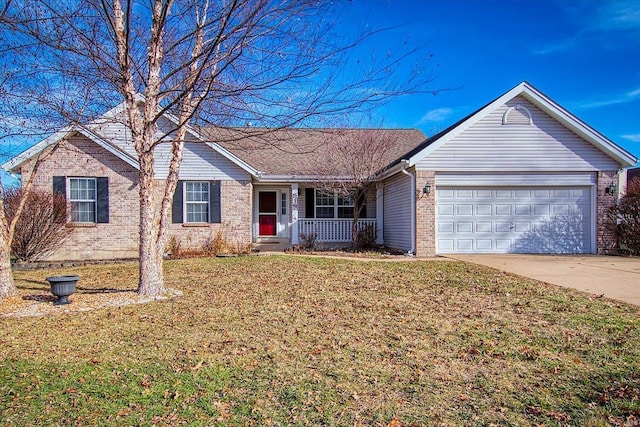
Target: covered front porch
293,213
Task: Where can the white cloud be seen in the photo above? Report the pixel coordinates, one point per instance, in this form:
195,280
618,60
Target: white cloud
634,93
595,20
634,137
612,100
437,115
619,15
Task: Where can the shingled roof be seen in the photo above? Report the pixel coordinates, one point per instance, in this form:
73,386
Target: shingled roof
299,151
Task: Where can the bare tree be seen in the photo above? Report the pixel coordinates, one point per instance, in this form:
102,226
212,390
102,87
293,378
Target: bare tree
350,167
276,63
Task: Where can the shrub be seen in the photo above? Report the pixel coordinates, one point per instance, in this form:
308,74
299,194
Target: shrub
308,241
40,230
366,237
623,220
215,244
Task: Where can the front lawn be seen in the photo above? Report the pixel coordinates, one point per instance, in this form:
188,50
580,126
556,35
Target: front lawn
314,341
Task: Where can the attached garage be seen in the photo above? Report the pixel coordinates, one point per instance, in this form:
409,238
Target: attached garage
519,175
514,220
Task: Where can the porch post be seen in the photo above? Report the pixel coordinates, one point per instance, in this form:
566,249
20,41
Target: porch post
294,214
380,212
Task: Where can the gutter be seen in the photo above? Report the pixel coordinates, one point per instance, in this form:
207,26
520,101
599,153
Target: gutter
405,164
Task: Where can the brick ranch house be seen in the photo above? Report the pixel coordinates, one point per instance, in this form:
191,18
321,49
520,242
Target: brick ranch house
519,175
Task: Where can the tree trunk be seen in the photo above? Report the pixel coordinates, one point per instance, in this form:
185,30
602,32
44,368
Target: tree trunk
7,286
151,280
355,241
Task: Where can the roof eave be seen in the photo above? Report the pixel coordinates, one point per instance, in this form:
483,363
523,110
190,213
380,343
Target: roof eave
14,163
622,156
264,178
12,166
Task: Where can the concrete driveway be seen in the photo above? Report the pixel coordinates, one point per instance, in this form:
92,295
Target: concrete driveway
614,277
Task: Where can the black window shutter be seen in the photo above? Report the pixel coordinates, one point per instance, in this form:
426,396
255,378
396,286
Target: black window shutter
215,208
309,203
362,204
176,207
102,194
60,185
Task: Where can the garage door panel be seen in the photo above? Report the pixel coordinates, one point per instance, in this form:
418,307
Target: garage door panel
541,210
464,245
503,227
484,245
445,209
483,227
446,227
464,227
445,194
503,210
464,210
483,210
514,220
522,227
503,245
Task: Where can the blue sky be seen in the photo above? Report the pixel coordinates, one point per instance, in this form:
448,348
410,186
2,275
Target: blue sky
584,54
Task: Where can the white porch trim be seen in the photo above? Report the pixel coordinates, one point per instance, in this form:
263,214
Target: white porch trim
333,230
294,214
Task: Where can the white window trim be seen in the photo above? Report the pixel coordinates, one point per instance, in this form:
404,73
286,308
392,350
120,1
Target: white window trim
346,203
185,203
94,200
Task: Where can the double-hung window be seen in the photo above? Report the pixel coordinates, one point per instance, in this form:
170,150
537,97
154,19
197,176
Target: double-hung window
345,207
325,205
330,205
196,201
82,197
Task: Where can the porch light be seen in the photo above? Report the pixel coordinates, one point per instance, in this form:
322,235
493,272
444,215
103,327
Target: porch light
427,188
611,189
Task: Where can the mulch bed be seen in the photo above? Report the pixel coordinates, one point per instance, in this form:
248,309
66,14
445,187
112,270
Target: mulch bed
39,304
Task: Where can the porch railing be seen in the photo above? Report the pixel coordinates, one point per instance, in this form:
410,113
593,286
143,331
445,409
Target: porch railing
332,230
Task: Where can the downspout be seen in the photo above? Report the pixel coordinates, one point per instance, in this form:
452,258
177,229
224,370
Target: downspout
413,206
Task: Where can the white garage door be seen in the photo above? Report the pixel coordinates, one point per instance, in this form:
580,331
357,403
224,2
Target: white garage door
513,219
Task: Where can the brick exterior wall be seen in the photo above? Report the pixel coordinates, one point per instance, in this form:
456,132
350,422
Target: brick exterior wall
605,241
425,215
236,197
119,238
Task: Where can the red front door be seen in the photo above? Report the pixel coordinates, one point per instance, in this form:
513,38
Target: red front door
267,213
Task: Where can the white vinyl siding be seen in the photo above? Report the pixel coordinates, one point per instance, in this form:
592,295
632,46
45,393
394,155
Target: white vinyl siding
545,145
200,162
397,212
82,197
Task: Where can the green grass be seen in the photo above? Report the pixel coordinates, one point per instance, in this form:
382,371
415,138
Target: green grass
314,341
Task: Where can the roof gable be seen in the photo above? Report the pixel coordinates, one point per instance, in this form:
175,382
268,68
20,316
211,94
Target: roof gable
541,101
109,132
